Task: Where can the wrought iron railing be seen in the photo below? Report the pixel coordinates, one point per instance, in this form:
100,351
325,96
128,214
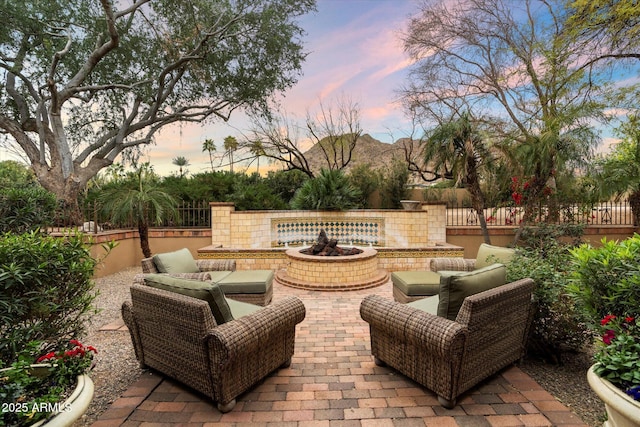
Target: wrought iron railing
195,214
607,213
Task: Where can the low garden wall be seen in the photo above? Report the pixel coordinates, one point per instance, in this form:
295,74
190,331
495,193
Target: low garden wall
404,239
459,241
378,227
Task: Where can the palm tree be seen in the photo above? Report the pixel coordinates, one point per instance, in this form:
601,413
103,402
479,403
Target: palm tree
230,146
141,202
456,151
181,162
620,170
331,190
210,146
257,149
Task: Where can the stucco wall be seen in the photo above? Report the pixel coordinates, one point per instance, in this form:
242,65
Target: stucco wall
128,254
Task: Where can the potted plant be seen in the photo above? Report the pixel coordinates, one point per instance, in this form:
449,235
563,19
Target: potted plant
606,285
50,390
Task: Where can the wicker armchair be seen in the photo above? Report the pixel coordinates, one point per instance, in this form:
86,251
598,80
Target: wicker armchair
178,336
450,357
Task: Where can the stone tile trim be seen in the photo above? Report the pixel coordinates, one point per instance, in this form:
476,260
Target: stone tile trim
304,231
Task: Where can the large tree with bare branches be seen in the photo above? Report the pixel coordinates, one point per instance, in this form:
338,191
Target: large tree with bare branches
83,81
332,131
518,69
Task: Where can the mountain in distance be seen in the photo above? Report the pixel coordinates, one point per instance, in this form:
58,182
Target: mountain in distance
379,155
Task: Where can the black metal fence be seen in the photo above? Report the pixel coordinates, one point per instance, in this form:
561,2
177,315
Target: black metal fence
196,214
607,213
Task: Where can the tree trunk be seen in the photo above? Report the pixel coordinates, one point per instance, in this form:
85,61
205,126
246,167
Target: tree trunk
67,192
477,196
68,189
143,231
634,203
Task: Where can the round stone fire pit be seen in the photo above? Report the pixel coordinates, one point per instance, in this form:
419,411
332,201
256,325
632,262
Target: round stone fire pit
332,273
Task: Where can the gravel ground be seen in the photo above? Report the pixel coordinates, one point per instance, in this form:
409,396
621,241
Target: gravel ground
568,383
117,368
116,365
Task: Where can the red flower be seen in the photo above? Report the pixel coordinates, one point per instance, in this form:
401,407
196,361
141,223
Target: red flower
608,318
608,337
517,198
629,319
47,356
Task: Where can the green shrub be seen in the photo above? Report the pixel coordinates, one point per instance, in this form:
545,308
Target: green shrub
557,324
285,183
46,290
331,190
366,180
393,186
606,279
26,208
257,195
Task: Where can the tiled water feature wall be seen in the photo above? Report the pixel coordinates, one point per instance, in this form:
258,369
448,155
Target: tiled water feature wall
404,239
267,229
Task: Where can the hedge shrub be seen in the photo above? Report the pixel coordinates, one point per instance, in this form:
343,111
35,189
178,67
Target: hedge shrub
46,290
26,208
606,279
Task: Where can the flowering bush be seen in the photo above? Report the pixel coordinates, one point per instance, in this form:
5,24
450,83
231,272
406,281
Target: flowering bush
523,190
28,394
70,363
618,355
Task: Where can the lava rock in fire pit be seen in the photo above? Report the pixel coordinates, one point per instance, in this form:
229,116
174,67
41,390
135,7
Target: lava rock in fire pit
329,247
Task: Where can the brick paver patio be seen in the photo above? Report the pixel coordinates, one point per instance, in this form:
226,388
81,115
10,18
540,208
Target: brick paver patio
333,381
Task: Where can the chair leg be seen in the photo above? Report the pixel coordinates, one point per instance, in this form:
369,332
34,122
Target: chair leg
447,403
379,362
226,408
286,364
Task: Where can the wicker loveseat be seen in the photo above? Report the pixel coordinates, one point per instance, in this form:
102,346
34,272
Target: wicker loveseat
252,286
178,336
451,356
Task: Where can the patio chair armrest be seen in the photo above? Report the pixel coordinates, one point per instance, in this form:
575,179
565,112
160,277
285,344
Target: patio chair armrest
452,264
216,264
257,331
437,335
203,276
127,315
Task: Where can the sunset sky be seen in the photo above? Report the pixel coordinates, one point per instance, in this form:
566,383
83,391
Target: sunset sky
354,51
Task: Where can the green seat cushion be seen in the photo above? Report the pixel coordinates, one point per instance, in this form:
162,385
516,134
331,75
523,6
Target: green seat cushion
429,304
247,282
206,291
216,276
455,288
241,308
489,254
180,261
416,283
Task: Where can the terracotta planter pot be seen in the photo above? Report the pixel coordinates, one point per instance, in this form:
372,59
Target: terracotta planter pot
622,410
